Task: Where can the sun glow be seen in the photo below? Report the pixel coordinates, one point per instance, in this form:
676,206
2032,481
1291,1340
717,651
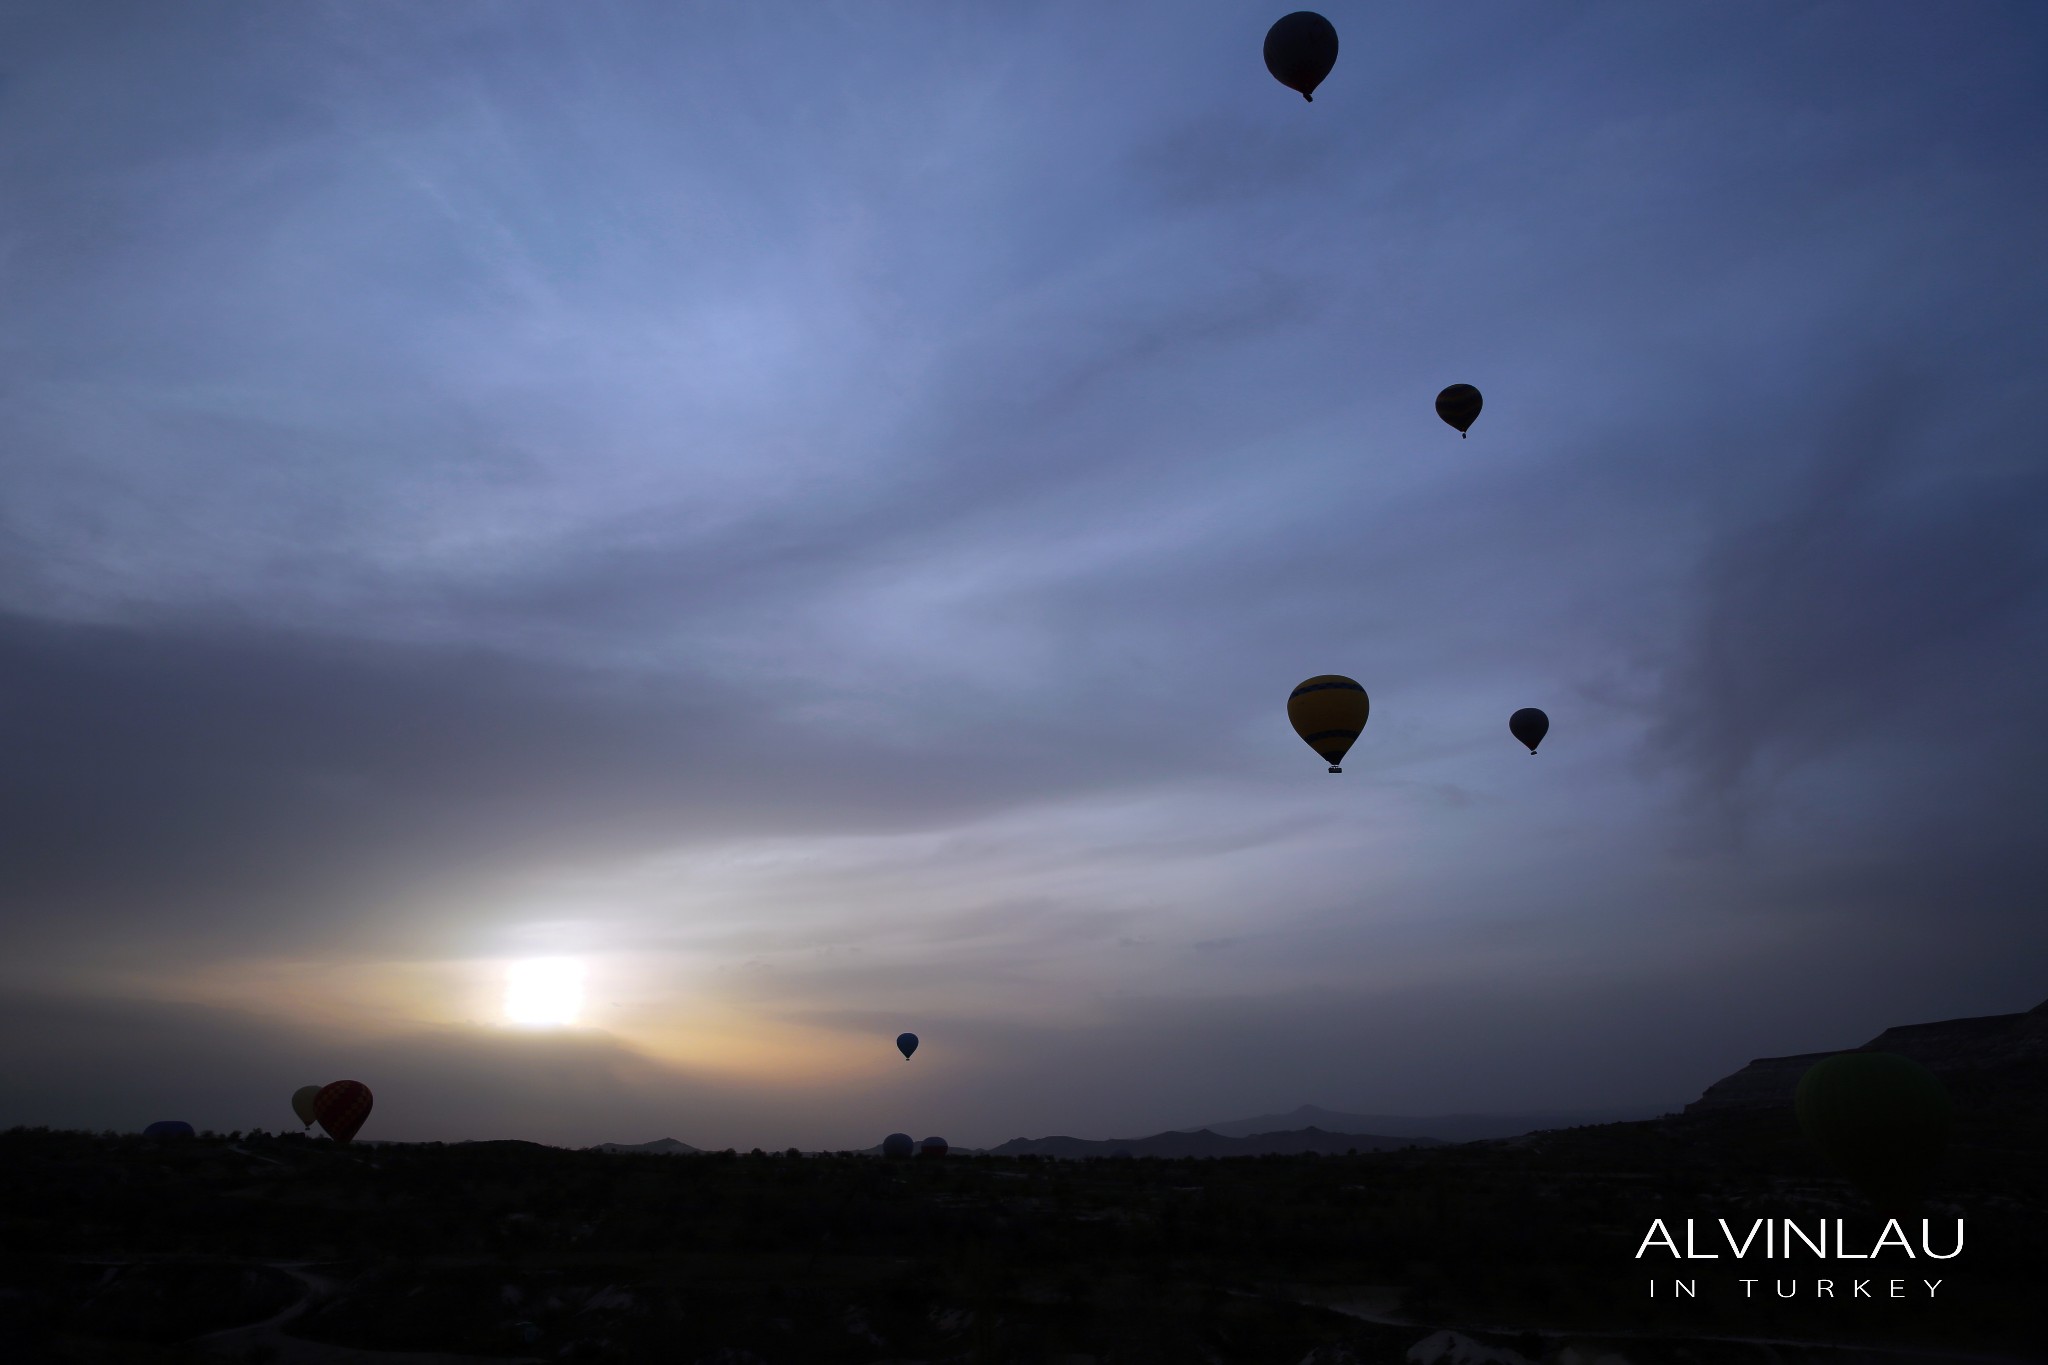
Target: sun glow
544,990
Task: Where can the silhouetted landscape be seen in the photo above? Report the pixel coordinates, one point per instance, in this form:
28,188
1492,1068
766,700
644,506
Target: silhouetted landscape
1441,1127
1205,1143
261,1247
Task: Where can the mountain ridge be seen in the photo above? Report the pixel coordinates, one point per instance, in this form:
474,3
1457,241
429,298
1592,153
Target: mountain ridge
1970,1052
658,1147
1469,1127
1205,1143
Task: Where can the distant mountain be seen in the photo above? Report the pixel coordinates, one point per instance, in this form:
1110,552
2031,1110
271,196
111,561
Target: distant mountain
659,1147
2000,1058
951,1150
1444,1127
1206,1143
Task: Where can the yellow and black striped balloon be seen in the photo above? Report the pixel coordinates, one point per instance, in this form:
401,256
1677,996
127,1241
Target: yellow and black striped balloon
1459,405
1328,711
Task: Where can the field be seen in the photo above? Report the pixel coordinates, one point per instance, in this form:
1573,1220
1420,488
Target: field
277,1248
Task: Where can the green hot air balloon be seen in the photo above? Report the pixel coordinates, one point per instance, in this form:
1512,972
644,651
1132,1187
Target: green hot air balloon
1300,50
1328,711
1459,406
1879,1118
302,1103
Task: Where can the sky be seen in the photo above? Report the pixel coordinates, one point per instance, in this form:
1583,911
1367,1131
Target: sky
811,513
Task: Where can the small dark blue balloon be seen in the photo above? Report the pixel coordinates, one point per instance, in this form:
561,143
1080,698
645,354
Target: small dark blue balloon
906,1043
168,1128
932,1147
898,1146
1300,50
1530,726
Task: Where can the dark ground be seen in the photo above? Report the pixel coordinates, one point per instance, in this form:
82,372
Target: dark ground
298,1252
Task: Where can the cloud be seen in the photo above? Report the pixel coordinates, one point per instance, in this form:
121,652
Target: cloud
225,1070
1886,598
831,515
209,777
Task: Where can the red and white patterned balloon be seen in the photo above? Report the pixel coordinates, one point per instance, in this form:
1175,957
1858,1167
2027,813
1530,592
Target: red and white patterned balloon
341,1108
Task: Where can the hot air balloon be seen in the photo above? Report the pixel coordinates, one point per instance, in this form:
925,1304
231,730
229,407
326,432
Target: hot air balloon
1328,711
1459,405
897,1146
1300,50
1530,726
906,1043
302,1103
168,1128
932,1147
1881,1119
341,1108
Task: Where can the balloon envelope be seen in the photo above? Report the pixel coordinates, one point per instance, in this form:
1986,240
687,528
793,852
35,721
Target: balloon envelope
1530,726
341,1108
302,1103
1327,712
897,1146
932,1147
168,1128
1880,1118
906,1043
1459,405
1300,50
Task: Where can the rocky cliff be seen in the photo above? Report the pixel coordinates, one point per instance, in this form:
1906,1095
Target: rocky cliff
1966,1051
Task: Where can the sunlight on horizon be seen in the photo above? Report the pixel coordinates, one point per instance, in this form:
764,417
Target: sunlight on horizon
543,991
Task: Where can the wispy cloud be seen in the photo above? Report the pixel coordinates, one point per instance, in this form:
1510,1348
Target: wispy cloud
821,519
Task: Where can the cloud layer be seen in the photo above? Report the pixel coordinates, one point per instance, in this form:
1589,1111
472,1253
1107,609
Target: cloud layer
820,520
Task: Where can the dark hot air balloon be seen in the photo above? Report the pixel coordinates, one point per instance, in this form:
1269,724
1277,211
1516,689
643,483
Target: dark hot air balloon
1300,50
1459,405
1879,1118
932,1148
898,1146
341,1108
1327,712
168,1128
906,1043
1530,726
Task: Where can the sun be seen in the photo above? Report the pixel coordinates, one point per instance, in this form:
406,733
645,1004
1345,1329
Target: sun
544,990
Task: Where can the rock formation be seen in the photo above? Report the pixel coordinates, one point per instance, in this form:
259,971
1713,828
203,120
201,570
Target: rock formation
2004,1052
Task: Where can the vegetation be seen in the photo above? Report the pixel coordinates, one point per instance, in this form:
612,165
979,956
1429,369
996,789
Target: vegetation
124,1248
